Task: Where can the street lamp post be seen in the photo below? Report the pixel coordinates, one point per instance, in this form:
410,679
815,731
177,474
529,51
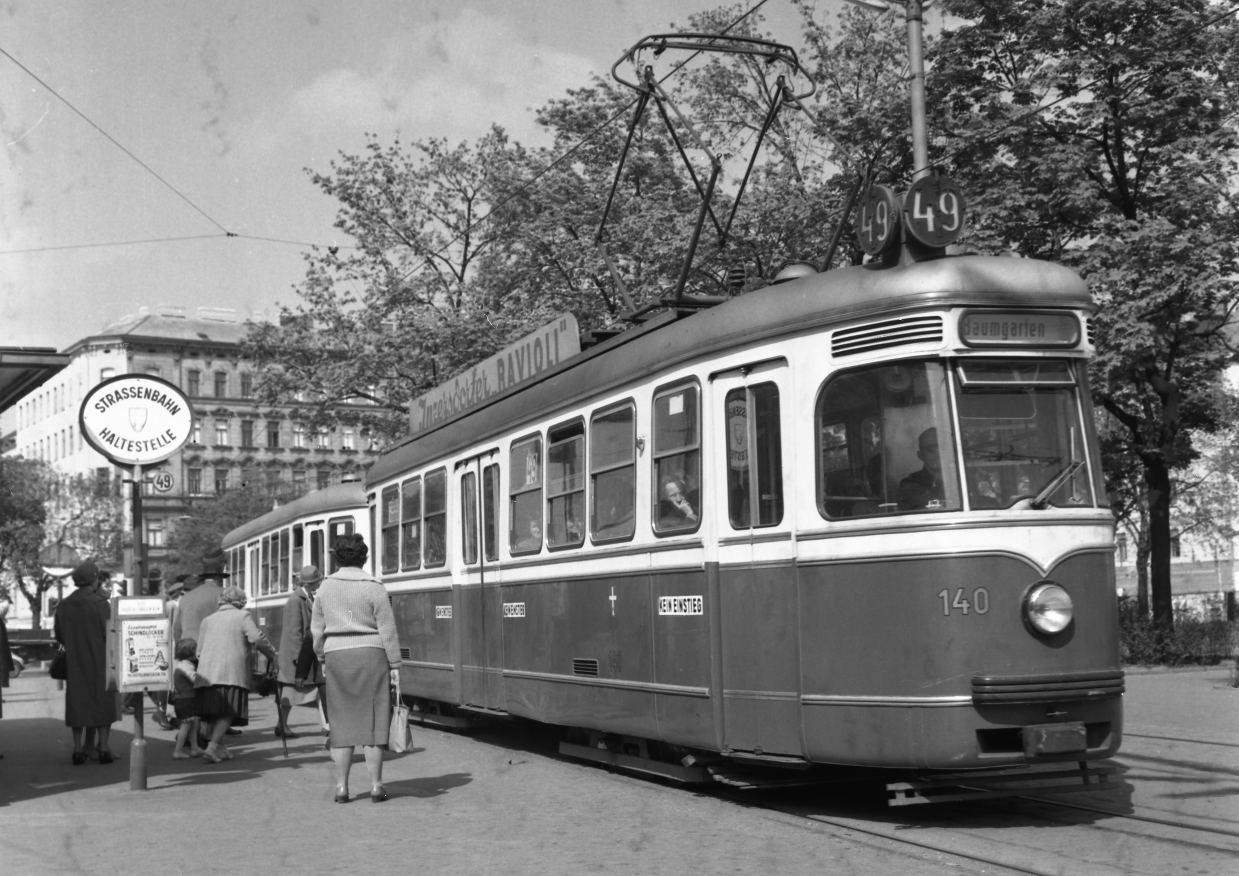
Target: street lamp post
58,560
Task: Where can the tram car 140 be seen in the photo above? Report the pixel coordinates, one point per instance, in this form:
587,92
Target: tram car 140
854,518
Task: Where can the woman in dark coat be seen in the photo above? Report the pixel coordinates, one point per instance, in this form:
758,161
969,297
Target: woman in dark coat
81,626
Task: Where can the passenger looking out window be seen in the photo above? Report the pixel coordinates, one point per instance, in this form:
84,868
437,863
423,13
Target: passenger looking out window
677,459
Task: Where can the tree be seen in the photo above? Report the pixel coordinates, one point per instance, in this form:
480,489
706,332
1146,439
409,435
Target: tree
23,485
1101,134
214,518
43,506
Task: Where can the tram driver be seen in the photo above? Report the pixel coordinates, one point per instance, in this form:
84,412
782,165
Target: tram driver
924,488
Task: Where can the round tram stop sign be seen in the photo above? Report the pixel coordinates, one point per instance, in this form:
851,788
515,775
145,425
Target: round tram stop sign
136,419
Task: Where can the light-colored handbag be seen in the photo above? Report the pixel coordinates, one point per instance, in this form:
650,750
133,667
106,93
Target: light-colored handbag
399,738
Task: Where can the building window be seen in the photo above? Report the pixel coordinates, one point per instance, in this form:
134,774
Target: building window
323,478
247,433
1176,547
1121,544
221,384
194,477
221,433
323,439
299,477
195,436
349,440
154,532
247,385
298,435
194,378
273,434
221,480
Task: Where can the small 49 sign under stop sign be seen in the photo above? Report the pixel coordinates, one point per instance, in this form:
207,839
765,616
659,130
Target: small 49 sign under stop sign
162,481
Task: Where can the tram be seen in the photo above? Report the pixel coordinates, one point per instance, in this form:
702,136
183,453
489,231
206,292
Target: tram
265,554
853,518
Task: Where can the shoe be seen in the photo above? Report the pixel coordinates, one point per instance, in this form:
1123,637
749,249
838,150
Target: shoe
232,731
162,720
106,757
342,798
211,757
288,734
378,796
78,758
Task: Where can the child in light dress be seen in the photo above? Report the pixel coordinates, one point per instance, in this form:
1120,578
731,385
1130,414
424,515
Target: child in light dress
184,698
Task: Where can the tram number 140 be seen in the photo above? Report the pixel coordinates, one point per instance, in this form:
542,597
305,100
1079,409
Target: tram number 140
978,603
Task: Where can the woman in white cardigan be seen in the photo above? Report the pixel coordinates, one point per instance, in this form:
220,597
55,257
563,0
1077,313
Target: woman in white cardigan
222,687
355,639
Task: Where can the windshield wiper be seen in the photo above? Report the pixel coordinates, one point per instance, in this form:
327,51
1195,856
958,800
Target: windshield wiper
1043,498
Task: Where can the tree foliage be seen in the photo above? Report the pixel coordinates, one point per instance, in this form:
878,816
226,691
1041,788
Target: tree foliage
1101,134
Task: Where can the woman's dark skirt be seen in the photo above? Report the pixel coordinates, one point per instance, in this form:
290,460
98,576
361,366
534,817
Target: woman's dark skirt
223,701
186,707
359,696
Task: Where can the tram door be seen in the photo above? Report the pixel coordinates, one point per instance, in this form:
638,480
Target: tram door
753,472
481,599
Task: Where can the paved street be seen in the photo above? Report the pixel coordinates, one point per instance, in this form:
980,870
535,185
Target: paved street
496,802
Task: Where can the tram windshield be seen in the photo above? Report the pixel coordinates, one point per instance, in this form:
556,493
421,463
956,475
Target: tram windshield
887,442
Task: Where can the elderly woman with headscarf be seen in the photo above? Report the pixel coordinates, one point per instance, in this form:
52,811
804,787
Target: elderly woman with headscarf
355,639
226,641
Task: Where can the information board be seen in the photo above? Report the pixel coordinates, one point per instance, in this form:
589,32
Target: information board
146,654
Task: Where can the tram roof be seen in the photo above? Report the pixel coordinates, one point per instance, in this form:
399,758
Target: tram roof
828,298
339,497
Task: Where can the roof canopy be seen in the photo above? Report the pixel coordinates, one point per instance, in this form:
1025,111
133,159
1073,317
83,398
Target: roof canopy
24,368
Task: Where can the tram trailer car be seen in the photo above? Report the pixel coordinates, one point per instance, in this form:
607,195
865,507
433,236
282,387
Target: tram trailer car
855,518
265,554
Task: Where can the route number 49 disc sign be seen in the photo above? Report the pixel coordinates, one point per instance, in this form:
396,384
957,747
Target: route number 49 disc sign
933,210
877,223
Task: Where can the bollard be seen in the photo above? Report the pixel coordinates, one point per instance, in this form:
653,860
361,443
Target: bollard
137,750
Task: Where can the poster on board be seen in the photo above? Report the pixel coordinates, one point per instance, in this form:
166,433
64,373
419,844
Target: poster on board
145,654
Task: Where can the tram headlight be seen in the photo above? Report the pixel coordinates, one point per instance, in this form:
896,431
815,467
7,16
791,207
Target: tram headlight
1047,608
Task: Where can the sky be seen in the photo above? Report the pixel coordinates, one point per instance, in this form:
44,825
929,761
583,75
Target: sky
230,102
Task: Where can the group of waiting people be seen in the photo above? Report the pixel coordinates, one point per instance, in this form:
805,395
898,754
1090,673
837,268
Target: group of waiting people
353,662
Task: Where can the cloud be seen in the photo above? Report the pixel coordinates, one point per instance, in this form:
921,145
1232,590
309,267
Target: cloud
450,78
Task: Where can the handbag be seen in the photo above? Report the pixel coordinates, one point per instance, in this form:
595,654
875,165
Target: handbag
264,677
307,660
59,668
399,738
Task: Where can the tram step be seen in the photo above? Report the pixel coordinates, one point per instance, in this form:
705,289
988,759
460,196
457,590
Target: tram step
482,710
991,785
689,774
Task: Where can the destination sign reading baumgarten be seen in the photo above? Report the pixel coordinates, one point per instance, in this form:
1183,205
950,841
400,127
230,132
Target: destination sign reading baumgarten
519,363
1017,328
136,419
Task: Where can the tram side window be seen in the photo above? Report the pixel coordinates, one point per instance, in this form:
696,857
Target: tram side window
255,568
284,568
677,460
469,517
754,457
390,528
565,486
316,549
411,521
265,577
525,497
298,548
335,528
613,474
237,563
885,442
435,518
490,512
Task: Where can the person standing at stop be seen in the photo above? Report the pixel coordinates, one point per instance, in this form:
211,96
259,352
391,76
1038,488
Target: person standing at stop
81,627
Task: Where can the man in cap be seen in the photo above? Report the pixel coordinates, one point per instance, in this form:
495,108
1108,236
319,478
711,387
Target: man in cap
303,676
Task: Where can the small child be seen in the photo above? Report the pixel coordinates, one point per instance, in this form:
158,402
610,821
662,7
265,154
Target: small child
183,698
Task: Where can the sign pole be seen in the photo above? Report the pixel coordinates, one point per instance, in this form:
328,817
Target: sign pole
137,748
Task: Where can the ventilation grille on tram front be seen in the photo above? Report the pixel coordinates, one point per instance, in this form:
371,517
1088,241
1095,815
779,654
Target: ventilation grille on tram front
1088,331
887,333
